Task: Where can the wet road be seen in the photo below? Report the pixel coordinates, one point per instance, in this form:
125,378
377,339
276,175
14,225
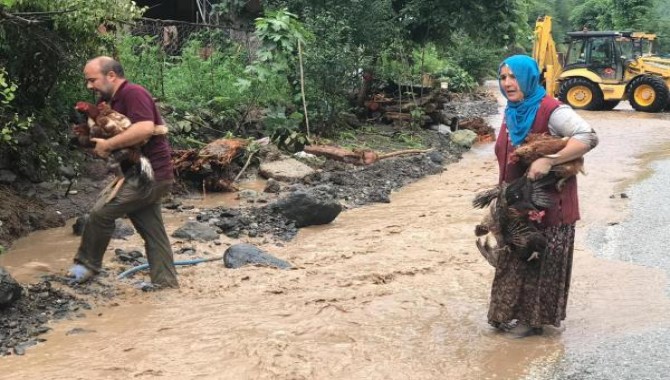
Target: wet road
641,239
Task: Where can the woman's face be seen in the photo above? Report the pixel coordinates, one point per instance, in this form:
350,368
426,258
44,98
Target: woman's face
510,85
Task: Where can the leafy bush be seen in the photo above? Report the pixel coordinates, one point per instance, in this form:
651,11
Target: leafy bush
10,122
143,61
285,130
476,58
458,80
207,87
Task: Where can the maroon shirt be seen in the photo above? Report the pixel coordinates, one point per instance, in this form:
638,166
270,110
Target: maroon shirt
566,203
136,103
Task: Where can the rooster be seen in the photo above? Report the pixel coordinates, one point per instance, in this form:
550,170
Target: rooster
103,122
513,209
539,145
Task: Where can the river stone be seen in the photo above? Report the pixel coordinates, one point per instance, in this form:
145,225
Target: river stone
239,255
464,137
272,186
193,230
7,176
121,229
10,290
308,208
287,170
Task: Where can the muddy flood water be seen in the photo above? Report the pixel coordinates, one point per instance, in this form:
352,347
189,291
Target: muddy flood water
388,291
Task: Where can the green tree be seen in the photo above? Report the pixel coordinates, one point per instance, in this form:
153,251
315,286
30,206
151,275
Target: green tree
592,15
632,14
43,43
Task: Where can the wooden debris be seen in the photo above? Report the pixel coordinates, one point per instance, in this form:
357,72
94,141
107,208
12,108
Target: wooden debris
478,125
212,165
357,157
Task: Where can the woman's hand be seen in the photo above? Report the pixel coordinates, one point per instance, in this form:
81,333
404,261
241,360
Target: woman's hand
539,168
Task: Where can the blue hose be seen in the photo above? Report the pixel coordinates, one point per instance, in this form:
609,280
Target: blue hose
183,262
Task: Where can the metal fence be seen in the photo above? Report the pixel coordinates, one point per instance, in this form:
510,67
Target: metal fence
167,40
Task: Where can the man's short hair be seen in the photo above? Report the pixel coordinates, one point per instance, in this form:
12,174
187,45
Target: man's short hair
109,64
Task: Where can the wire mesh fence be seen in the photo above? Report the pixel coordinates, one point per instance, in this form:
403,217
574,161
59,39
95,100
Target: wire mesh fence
156,46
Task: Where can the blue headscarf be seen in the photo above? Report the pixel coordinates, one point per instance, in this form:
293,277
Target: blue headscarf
519,116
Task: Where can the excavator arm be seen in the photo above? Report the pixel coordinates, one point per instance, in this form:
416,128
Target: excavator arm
546,55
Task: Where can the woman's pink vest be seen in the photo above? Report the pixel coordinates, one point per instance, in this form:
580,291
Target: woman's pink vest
566,204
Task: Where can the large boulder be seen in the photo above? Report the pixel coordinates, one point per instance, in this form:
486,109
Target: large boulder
239,255
287,170
308,208
121,230
10,290
193,230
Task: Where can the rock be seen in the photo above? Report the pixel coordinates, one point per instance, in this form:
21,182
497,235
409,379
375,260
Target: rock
247,194
239,255
196,231
441,128
79,224
67,171
436,157
464,137
228,224
79,331
272,186
7,177
286,170
308,208
10,290
121,231
128,256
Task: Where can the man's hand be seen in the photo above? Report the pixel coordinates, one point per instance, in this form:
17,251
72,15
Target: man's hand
102,147
539,168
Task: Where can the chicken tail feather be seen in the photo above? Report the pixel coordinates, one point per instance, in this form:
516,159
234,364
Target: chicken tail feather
146,171
484,198
489,252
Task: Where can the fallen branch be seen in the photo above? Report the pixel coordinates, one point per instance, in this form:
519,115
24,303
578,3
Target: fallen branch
357,157
246,164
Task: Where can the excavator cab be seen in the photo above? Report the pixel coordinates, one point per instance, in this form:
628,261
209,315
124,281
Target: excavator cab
599,53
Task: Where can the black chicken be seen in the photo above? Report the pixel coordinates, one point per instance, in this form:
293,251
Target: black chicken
513,207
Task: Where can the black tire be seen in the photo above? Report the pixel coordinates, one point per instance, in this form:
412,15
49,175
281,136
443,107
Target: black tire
581,94
609,105
648,94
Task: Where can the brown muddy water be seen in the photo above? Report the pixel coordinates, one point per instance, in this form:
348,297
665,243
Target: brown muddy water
390,291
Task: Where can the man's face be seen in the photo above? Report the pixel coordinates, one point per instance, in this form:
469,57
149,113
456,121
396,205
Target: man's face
102,85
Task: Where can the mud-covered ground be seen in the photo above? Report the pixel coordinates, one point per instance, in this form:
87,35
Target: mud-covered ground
30,207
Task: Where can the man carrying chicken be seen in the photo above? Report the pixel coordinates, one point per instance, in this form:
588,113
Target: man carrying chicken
141,203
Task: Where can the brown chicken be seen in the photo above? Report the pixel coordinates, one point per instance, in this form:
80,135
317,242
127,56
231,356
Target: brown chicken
539,145
103,122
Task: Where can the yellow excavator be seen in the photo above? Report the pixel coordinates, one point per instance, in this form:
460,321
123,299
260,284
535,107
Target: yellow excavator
600,69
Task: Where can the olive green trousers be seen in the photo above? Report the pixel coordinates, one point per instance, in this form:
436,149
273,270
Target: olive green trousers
142,205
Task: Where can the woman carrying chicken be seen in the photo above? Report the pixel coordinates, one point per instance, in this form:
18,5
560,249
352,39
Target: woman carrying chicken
526,295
